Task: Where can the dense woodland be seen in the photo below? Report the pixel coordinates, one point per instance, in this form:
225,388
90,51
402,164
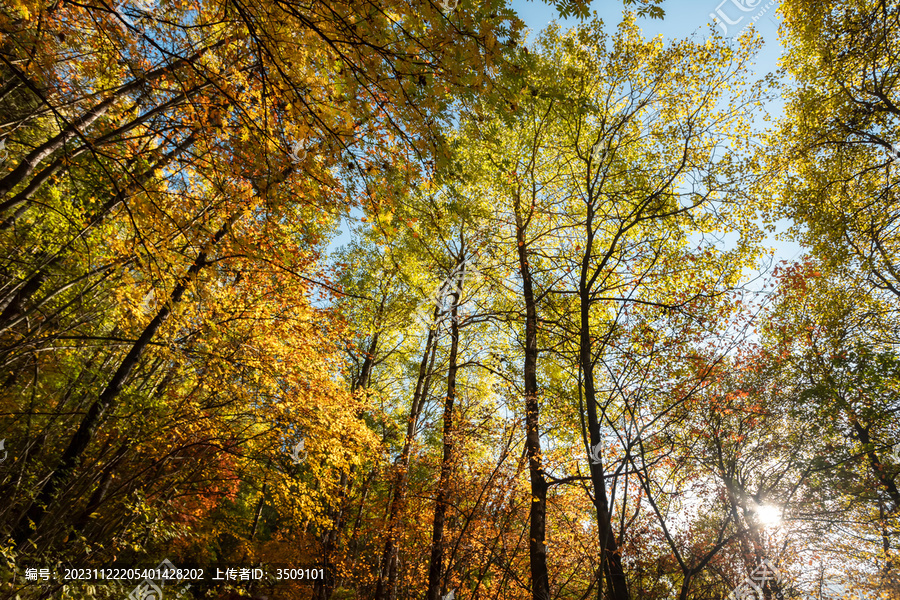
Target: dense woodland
379,287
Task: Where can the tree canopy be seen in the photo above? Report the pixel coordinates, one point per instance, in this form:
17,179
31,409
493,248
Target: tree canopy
389,302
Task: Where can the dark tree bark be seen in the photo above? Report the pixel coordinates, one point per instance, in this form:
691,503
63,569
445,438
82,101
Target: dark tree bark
388,566
435,569
611,558
31,520
537,512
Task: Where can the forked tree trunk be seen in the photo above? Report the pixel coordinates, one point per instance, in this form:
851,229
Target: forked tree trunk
537,512
610,557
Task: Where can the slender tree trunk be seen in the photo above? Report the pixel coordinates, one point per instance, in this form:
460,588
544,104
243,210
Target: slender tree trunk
30,162
259,509
435,569
537,512
363,495
610,556
388,565
66,465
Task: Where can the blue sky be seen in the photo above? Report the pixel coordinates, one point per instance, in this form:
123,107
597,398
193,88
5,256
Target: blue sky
683,18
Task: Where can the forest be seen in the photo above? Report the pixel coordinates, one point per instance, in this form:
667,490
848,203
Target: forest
403,300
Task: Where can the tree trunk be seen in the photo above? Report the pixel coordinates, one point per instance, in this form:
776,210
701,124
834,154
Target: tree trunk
259,509
66,465
388,566
610,557
435,569
537,512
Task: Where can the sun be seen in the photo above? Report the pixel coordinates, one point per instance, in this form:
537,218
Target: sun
769,516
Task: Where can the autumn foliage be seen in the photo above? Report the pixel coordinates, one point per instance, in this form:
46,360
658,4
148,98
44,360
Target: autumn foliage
380,289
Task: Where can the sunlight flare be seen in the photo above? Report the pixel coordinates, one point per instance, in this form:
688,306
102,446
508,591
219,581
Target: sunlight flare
769,516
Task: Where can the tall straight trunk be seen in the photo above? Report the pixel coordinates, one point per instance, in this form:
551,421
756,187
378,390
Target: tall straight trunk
435,569
537,512
363,496
388,566
610,558
66,465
